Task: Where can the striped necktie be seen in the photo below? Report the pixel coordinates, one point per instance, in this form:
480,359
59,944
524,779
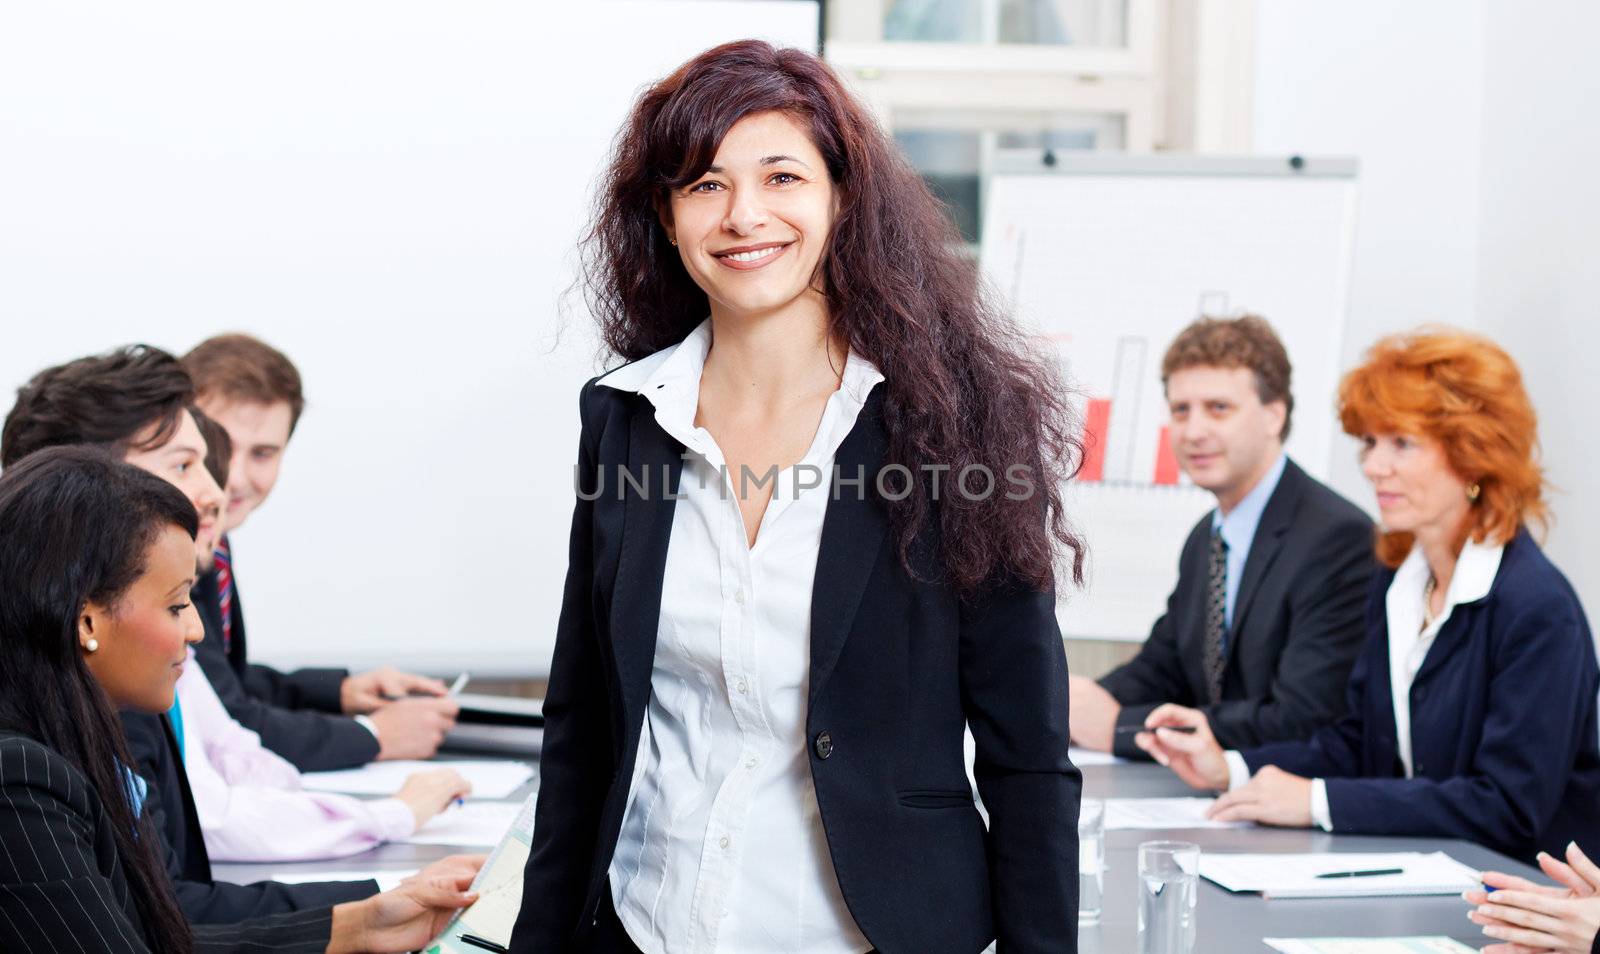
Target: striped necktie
1216,659
224,561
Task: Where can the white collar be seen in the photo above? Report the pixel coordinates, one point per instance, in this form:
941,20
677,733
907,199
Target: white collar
1475,570
670,378
682,363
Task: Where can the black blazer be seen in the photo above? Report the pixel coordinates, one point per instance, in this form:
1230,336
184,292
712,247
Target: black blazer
1503,723
302,689
898,668
62,883
1296,624
170,805
314,741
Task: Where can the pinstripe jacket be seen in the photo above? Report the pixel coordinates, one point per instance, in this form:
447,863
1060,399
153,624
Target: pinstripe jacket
63,887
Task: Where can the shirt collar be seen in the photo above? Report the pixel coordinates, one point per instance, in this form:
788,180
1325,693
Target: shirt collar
670,379
1476,568
1239,526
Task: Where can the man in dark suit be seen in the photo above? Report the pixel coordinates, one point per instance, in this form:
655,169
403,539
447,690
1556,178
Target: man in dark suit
1266,620
254,392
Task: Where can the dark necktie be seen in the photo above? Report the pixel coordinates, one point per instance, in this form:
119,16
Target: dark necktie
1216,611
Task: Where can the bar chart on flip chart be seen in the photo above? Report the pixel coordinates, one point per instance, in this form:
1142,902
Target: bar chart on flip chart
1106,259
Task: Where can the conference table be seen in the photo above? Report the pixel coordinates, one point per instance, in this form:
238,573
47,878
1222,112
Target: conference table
1228,923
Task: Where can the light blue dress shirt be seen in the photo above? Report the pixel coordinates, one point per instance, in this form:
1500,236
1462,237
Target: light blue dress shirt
1239,530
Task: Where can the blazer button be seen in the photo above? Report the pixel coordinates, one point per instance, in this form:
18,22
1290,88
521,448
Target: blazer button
824,745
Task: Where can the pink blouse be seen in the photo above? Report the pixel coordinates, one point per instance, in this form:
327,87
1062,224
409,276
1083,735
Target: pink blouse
249,800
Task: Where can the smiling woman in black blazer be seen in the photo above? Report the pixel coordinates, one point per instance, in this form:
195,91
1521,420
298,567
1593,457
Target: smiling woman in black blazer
816,538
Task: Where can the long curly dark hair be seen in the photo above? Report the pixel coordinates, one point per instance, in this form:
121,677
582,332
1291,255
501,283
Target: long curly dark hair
964,385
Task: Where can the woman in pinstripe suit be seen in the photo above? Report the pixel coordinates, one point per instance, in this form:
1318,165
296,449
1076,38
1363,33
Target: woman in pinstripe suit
96,562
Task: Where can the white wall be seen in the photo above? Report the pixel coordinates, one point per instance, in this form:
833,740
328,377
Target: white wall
1539,246
1473,121
1397,85
388,190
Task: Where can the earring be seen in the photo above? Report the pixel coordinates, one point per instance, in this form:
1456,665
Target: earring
92,645
1473,490
674,242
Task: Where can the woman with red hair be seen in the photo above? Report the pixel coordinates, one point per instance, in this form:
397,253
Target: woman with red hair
1472,707
816,535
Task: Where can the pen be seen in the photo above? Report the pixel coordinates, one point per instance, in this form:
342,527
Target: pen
1135,729
484,943
455,687
1362,874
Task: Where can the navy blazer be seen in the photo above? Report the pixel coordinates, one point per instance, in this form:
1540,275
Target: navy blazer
899,667
1503,723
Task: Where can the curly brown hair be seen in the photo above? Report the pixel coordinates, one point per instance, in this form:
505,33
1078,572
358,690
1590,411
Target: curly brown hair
963,385
1244,342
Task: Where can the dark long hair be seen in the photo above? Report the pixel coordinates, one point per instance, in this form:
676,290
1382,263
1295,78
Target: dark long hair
105,399
75,526
963,385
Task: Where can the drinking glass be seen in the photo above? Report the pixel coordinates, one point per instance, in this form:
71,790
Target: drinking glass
1169,875
1091,859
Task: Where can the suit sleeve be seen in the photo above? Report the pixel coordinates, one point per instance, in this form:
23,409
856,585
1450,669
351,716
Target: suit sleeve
312,741
1014,693
1327,604
1518,773
55,897
1155,676
302,689
574,764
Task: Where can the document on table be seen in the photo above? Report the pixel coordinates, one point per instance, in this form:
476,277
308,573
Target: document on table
1295,876
386,879
480,824
1125,813
1367,945
489,778
1082,757
499,887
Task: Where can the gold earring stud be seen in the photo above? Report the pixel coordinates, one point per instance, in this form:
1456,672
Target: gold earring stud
91,645
1473,490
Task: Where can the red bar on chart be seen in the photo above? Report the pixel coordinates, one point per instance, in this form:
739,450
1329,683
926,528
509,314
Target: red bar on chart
1166,461
1096,425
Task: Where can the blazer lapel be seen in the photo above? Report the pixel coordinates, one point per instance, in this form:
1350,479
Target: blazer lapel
853,529
1275,523
654,460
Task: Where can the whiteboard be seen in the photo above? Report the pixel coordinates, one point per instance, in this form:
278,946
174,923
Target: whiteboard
390,192
1107,259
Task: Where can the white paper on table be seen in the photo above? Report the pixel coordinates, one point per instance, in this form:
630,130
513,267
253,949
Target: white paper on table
386,879
1367,945
490,778
1082,757
1132,813
1295,875
479,824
